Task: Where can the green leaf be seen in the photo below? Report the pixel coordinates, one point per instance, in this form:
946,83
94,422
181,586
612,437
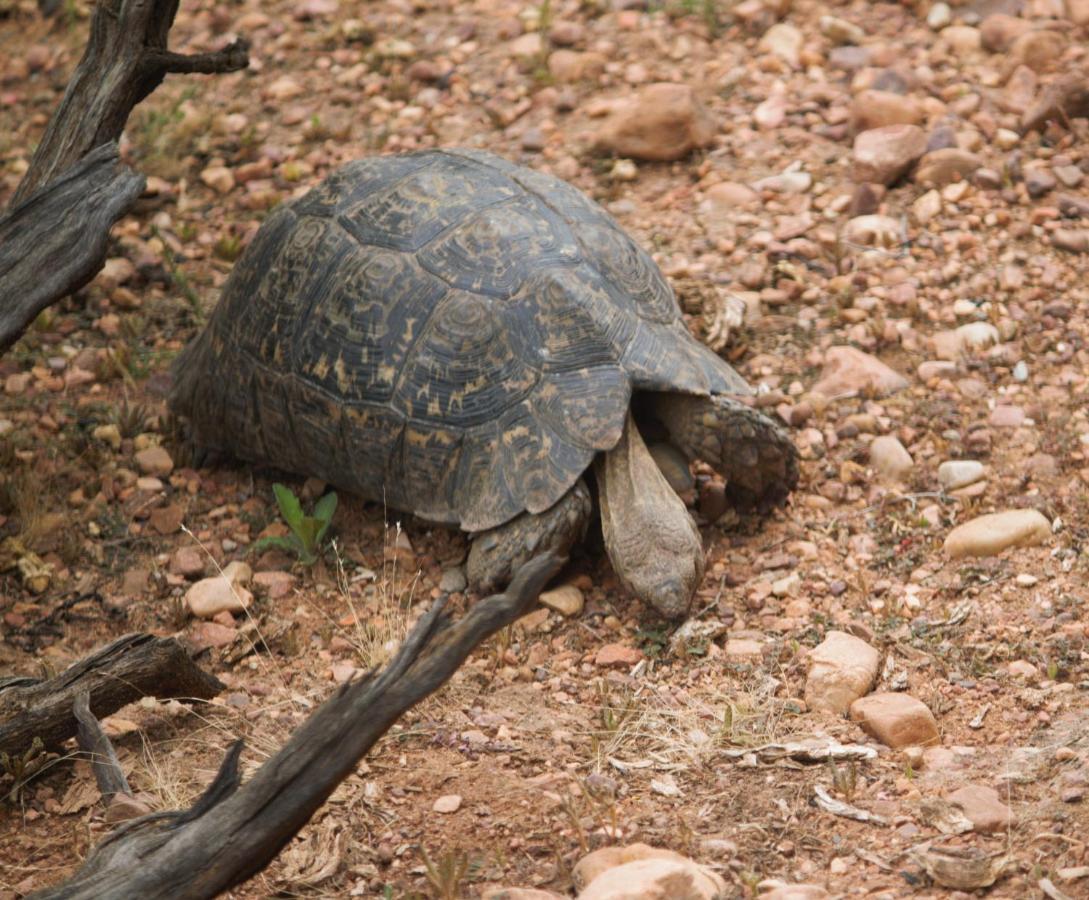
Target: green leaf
290,508
325,508
265,543
308,533
323,512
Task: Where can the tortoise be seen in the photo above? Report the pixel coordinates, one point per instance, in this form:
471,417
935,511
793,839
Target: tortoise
464,339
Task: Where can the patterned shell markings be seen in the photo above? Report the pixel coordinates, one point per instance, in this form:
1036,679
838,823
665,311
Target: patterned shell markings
443,331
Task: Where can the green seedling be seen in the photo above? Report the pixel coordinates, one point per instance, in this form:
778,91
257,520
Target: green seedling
307,532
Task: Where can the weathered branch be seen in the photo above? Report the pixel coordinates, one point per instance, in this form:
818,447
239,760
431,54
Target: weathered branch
53,237
133,666
92,740
55,242
125,60
231,834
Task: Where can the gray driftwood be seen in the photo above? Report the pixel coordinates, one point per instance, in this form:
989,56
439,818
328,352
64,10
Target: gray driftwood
133,666
233,832
53,236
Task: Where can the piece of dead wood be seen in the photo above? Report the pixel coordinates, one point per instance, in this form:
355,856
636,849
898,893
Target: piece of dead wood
838,808
133,666
55,242
53,236
232,832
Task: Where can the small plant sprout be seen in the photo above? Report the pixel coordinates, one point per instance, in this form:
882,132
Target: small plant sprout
446,875
307,532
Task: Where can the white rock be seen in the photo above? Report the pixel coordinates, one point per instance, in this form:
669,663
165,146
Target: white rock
842,668
567,600
939,17
785,41
958,473
848,370
211,596
450,803
890,458
991,534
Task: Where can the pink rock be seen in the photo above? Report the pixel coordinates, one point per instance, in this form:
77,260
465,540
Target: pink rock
274,584
661,122
850,371
982,807
617,656
897,720
842,668
1007,417
882,155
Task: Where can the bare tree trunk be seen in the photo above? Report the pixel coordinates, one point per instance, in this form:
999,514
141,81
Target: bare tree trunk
133,666
232,833
53,236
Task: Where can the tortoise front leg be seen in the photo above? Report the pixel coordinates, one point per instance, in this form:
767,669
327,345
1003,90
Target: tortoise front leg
755,456
499,552
653,544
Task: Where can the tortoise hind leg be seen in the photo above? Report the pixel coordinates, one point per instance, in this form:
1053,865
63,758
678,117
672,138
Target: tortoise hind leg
754,454
497,553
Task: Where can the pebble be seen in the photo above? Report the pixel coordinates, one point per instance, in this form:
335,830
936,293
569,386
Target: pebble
567,600
1020,372
939,17
876,109
840,31
108,434
958,473
211,596
659,123
982,807
211,634
1005,416
945,166
649,873
517,893
848,370
154,461
895,719
617,656
219,178
842,668
274,584
882,155
951,345
187,562
1026,580
991,534
890,458
449,803
784,41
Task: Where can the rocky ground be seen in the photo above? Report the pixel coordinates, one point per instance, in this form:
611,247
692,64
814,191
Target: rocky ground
848,193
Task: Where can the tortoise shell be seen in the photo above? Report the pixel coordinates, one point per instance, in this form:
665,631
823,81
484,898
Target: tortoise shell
445,332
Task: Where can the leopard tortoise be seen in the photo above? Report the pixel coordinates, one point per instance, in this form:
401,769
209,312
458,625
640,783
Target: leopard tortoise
463,339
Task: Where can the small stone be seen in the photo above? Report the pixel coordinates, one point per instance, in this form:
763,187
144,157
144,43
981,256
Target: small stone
642,872
1022,668
237,572
108,434
1073,240
1039,50
982,807
660,123
962,40
123,807
571,66
958,473
154,461
927,207
989,535
565,33
1039,182
1026,580
951,345
453,580
877,109
840,31
211,634
617,656
167,519
743,650
998,31
274,584
516,893
1070,176
784,41
873,231
567,600
890,458
450,803
939,17
842,668
187,562
1006,416
936,368
848,371
897,720
218,178
882,155
211,596
135,582
772,889
941,167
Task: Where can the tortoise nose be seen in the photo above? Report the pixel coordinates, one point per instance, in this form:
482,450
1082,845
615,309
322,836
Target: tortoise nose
671,598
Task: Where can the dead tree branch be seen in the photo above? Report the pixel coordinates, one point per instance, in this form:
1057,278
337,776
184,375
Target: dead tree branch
233,832
133,666
53,237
